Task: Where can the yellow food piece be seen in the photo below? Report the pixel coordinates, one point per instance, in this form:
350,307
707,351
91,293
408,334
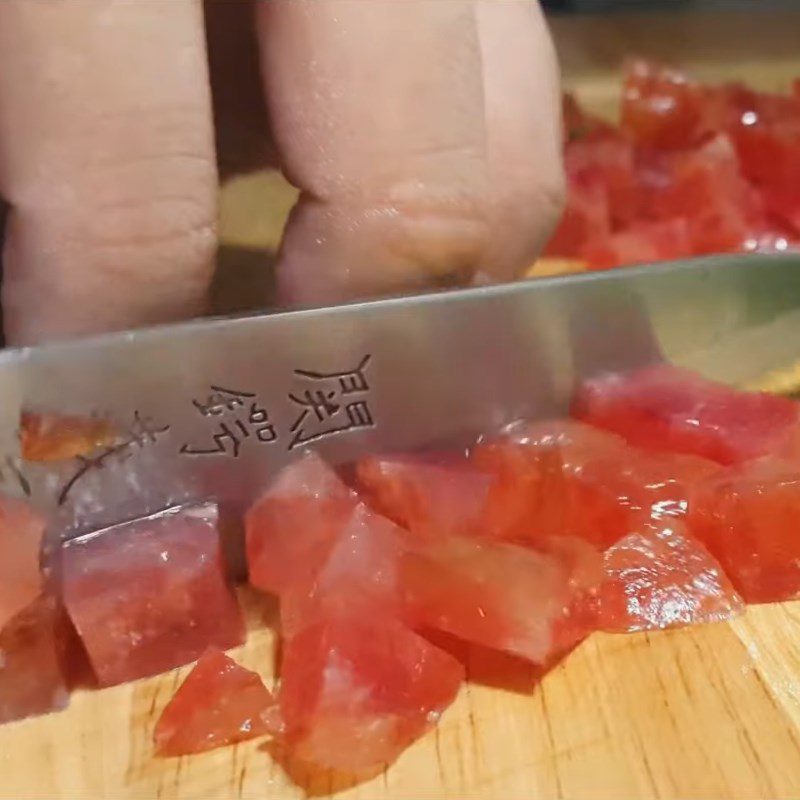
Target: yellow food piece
555,266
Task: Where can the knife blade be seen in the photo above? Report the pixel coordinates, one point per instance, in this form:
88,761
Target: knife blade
213,408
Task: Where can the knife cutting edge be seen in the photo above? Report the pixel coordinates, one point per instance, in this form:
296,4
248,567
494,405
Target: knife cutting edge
212,408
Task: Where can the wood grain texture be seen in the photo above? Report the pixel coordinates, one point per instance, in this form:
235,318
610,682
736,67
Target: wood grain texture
709,712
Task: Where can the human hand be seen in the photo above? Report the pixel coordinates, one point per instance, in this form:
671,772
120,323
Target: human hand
424,136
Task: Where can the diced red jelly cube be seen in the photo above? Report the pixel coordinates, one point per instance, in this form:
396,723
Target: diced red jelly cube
566,478
355,693
661,107
640,243
586,216
431,495
219,703
747,518
669,409
21,530
150,595
31,678
609,161
500,595
661,577
358,577
292,527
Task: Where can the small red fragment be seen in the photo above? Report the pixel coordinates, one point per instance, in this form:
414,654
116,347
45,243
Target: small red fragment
640,243
355,693
660,577
500,595
669,409
433,495
747,518
291,528
150,595
31,678
219,703
21,531
53,437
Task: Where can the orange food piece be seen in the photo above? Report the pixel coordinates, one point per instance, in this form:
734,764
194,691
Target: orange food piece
219,703
52,437
659,576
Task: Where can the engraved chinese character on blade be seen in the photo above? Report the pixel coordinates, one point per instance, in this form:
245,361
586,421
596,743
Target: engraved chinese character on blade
142,431
333,402
241,417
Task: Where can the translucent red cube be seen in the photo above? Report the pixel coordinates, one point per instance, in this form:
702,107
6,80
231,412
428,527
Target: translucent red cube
747,517
219,703
293,525
659,576
664,408
356,692
150,595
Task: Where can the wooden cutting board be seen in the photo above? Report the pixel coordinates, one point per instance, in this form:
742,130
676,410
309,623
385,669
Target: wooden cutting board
708,712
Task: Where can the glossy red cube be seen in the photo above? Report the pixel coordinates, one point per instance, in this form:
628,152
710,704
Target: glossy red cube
659,576
503,596
219,703
661,107
587,216
355,693
359,576
21,531
291,528
747,518
150,595
432,495
31,676
665,408
567,478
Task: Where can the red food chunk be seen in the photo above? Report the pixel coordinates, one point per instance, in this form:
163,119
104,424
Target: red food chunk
661,107
502,596
292,527
31,678
358,577
640,243
355,693
219,703
660,577
21,531
669,409
707,188
150,595
586,216
566,478
53,437
431,495
610,162
747,518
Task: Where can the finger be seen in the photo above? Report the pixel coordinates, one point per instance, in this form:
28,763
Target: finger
425,146
107,161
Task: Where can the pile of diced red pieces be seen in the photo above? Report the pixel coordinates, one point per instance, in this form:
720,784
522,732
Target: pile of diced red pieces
664,500
691,170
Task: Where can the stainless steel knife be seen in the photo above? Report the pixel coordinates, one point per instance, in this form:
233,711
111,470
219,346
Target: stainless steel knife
212,409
